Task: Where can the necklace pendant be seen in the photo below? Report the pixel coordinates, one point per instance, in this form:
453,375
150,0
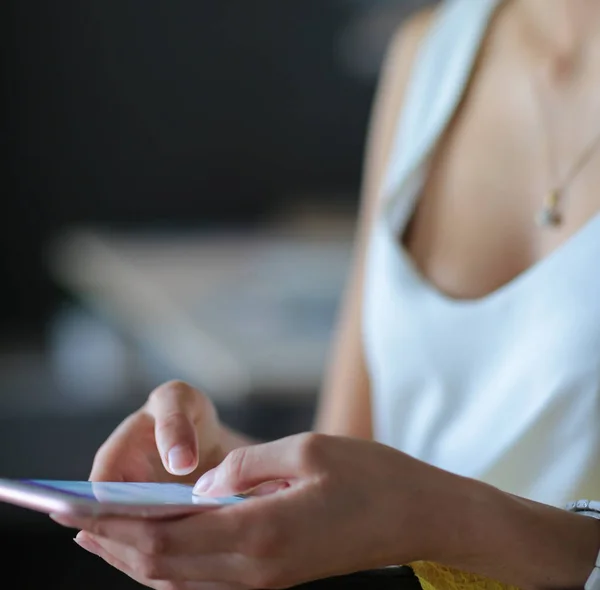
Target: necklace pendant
549,215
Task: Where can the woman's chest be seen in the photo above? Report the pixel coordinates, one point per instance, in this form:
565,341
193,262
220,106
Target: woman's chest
474,228
447,374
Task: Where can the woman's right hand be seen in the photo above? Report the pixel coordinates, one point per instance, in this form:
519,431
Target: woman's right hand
174,437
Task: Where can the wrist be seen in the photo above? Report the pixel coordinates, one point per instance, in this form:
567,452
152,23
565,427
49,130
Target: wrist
455,517
441,519
517,541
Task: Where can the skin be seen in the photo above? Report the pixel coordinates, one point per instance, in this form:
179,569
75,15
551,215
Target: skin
175,437
370,504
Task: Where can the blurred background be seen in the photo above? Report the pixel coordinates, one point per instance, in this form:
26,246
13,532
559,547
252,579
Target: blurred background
179,188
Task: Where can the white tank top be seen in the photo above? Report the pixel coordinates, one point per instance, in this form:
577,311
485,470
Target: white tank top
505,388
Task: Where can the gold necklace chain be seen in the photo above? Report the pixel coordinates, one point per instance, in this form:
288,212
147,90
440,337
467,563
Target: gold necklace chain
550,215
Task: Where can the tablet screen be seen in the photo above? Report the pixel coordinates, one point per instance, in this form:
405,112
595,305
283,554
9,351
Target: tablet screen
130,493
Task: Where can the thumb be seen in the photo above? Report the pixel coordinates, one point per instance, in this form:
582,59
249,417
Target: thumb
247,468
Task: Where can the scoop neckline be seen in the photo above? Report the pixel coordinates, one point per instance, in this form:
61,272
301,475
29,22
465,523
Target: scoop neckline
395,231
522,278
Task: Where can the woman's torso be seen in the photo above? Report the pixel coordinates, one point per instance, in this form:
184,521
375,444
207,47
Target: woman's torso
482,331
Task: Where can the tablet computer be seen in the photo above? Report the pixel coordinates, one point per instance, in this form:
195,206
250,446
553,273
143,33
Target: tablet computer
84,498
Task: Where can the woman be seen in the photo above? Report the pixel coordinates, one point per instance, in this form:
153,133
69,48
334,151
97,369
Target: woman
468,347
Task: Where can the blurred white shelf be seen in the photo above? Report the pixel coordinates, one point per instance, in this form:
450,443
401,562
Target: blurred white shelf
233,314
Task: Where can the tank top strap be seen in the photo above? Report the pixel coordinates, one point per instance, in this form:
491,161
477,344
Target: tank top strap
440,75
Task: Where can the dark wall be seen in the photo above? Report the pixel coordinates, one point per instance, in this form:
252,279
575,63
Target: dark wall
150,112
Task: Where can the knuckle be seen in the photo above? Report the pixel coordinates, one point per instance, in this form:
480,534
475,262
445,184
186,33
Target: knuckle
311,448
149,568
172,389
154,540
234,463
171,420
97,528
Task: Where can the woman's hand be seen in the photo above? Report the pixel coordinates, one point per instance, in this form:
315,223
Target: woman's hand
175,436
346,505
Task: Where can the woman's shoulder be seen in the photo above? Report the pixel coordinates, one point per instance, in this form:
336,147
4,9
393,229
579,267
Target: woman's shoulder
409,35
395,73
418,23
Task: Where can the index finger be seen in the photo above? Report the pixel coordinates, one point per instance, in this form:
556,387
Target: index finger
174,407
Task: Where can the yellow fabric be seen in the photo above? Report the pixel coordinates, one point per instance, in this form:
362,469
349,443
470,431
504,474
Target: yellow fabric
438,577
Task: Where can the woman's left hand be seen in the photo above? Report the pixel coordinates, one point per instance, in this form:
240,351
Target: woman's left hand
342,505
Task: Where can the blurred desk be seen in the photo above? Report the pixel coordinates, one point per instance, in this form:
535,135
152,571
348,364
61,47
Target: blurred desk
233,314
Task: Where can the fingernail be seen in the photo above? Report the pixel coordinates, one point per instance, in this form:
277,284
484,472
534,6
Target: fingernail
205,482
181,460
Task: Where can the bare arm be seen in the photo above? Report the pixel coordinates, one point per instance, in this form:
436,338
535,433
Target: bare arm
490,532
345,407
510,539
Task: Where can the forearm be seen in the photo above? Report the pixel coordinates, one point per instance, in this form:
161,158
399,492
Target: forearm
516,541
